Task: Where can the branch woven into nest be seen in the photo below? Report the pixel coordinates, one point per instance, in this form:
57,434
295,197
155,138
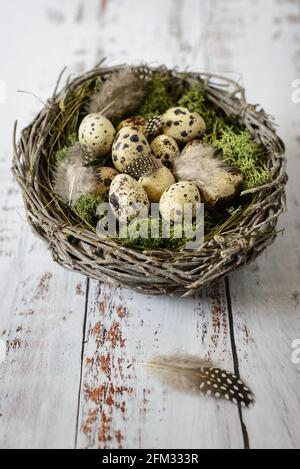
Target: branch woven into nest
80,249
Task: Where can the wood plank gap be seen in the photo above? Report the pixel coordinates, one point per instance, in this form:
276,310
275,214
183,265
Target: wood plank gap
235,360
87,290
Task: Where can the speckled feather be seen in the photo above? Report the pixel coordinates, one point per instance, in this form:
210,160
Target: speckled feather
188,373
79,155
142,166
153,127
119,94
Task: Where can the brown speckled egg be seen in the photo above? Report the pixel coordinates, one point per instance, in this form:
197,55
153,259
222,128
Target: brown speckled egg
172,201
129,144
136,121
165,149
98,133
157,183
105,176
128,198
183,125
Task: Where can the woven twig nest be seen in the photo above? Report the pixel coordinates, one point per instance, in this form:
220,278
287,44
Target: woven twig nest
80,249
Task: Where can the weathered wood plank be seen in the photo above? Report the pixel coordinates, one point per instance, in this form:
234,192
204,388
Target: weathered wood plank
265,295
41,323
42,306
122,407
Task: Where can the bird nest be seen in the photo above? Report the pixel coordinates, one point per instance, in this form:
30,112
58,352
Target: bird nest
78,247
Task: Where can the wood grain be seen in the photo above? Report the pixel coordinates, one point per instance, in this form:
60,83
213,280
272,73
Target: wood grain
41,323
42,308
120,406
266,309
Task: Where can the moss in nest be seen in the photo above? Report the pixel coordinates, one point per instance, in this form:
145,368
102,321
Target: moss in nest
148,240
61,154
144,238
195,101
157,98
215,119
229,136
241,151
86,208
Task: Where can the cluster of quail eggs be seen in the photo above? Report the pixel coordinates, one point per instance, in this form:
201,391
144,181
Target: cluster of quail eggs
130,146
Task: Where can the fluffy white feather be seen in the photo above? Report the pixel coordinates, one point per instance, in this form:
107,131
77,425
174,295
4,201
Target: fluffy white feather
72,178
198,165
190,374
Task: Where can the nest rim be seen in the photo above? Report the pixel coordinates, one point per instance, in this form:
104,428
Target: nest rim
152,272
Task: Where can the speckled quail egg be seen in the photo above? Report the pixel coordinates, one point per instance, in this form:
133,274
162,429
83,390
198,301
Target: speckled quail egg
172,201
225,186
128,198
105,176
98,133
129,144
156,184
136,121
183,125
165,149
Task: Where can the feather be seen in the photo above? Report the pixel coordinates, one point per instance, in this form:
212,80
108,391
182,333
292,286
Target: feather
79,154
119,95
219,184
188,373
197,164
141,166
72,178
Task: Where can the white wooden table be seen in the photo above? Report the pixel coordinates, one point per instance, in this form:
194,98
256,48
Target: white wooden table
69,341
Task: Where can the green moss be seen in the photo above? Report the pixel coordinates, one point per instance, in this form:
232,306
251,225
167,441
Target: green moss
151,237
195,101
61,154
157,98
86,208
235,143
216,120
240,150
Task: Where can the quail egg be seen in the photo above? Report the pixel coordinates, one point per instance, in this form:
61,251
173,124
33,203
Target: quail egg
165,149
136,121
128,198
225,186
183,125
98,133
105,176
157,183
173,200
129,144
